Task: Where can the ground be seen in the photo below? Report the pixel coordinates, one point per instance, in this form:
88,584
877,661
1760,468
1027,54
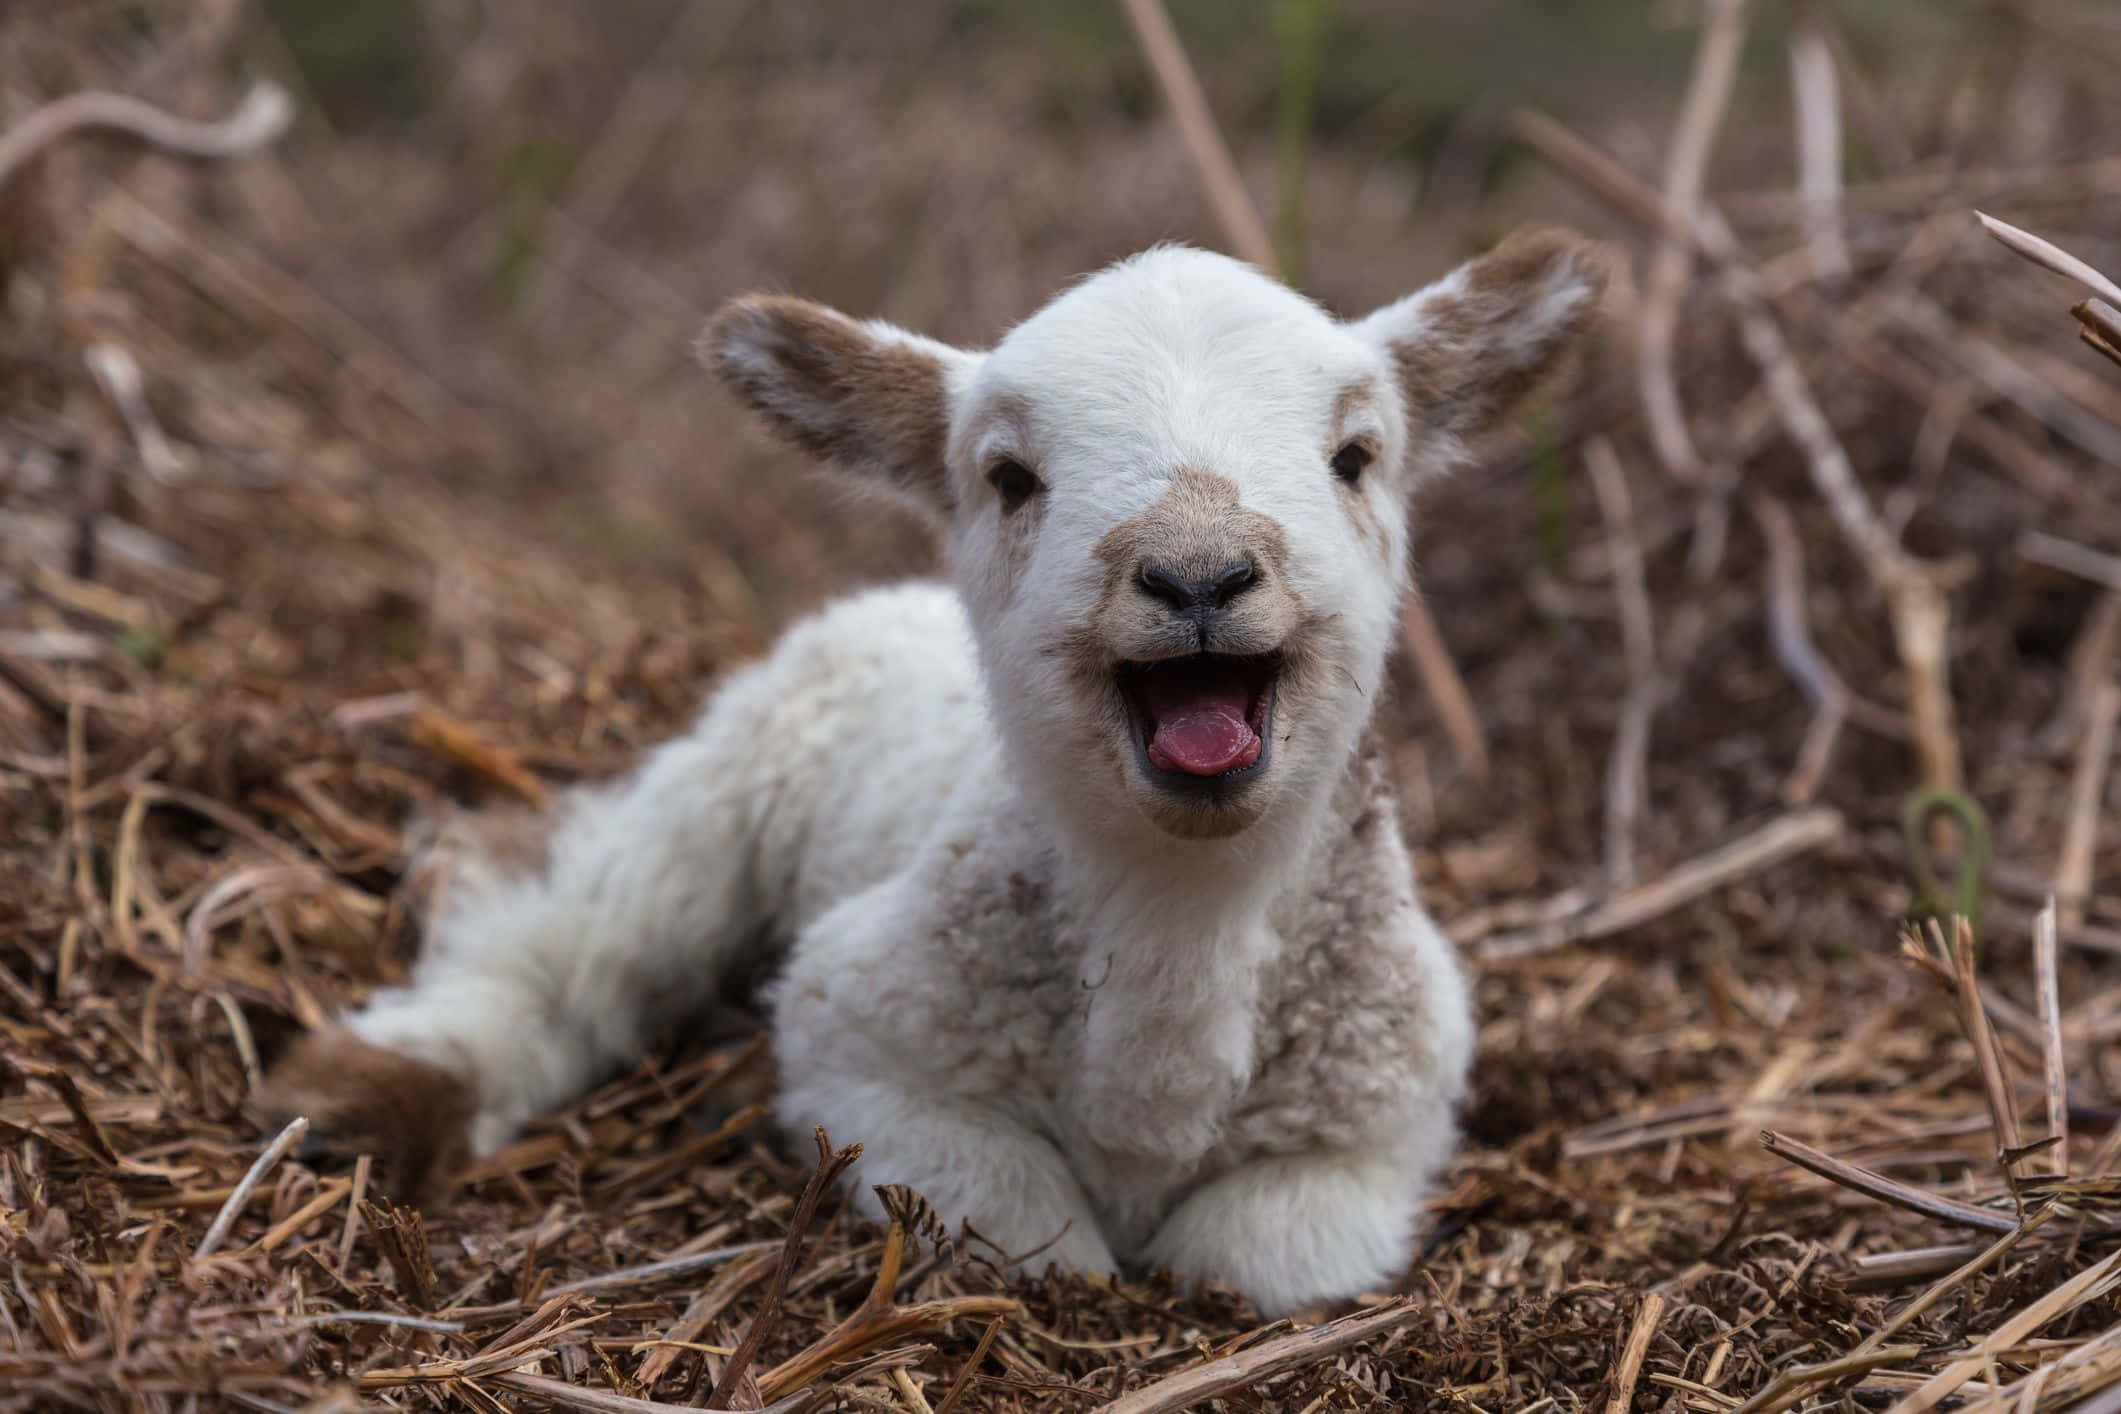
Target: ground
436,510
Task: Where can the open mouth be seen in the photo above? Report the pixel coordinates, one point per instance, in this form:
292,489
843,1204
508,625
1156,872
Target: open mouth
1206,716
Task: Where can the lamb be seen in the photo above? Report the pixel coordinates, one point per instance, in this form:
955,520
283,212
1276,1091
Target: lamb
1084,877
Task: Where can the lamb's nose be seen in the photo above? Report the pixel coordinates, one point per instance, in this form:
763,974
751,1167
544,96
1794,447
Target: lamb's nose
1189,595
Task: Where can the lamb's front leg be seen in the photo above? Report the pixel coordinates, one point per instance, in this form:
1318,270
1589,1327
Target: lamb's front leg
971,1163
898,1027
1296,1232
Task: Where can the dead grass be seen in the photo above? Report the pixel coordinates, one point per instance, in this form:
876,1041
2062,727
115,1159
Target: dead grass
388,538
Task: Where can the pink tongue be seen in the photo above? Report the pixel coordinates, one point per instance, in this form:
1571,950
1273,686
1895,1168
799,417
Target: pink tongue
1199,728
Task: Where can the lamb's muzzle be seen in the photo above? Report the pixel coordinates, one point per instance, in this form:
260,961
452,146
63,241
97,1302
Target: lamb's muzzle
1097,921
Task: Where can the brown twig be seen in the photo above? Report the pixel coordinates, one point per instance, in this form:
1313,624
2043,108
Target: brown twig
2054,1071
498,1357
2099,327
1815,92
1952,967
2050,256
1792,639
1981,1031
963,1381
1445,687
1886,1190
2087,798
364,1166
1878,1270
2088,1285
1790,1386
709,1304
1629,1367
2005,375
2071,558
1920,612
830,1165
2091,663
910,1392
446,736
329,1196
1945,1285
2100,322
1671,266
401,1234
77,1107
1627,773
555,1394
117,373
665,1269
878,1321
1262,1362
1782,838
259,119
282,1144
1196,125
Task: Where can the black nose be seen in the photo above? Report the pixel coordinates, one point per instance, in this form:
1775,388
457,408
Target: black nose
1192,595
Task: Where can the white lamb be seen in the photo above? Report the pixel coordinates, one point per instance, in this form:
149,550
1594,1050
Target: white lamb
1097,926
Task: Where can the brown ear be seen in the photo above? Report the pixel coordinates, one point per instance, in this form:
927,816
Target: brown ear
1470,347
866,397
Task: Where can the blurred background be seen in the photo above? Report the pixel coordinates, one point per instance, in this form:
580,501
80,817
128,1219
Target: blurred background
469,278
533,206
447,319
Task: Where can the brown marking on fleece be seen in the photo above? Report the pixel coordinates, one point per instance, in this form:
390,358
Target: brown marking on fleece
515,842
1198,526
1195,528
507,842
1345,405
1019,527
414,1117
838,391
1461,373
1361,509
1347,1021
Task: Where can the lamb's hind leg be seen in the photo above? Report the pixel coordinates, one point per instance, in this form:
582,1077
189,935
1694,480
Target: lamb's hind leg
532,985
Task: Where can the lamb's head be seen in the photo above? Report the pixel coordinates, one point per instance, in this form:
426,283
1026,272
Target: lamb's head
1176,499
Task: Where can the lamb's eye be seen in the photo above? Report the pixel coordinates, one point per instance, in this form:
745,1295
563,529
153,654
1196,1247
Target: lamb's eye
1014,483
1349,461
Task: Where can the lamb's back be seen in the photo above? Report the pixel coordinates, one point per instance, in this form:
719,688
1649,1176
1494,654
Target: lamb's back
862,715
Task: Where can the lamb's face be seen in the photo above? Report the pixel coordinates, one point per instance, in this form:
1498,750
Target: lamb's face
1180,522
1176,500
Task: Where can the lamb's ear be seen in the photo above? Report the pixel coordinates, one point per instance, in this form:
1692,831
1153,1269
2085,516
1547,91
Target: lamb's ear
865,396
1471,346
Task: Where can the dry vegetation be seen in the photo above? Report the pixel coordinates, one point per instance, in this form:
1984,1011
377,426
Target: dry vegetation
368,474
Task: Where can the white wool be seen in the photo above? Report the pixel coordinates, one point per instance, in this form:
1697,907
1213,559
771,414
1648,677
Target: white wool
1235,1056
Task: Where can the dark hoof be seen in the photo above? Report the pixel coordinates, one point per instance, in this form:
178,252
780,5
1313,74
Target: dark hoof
415,1118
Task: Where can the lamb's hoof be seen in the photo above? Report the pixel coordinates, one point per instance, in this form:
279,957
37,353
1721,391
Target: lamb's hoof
415,1118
